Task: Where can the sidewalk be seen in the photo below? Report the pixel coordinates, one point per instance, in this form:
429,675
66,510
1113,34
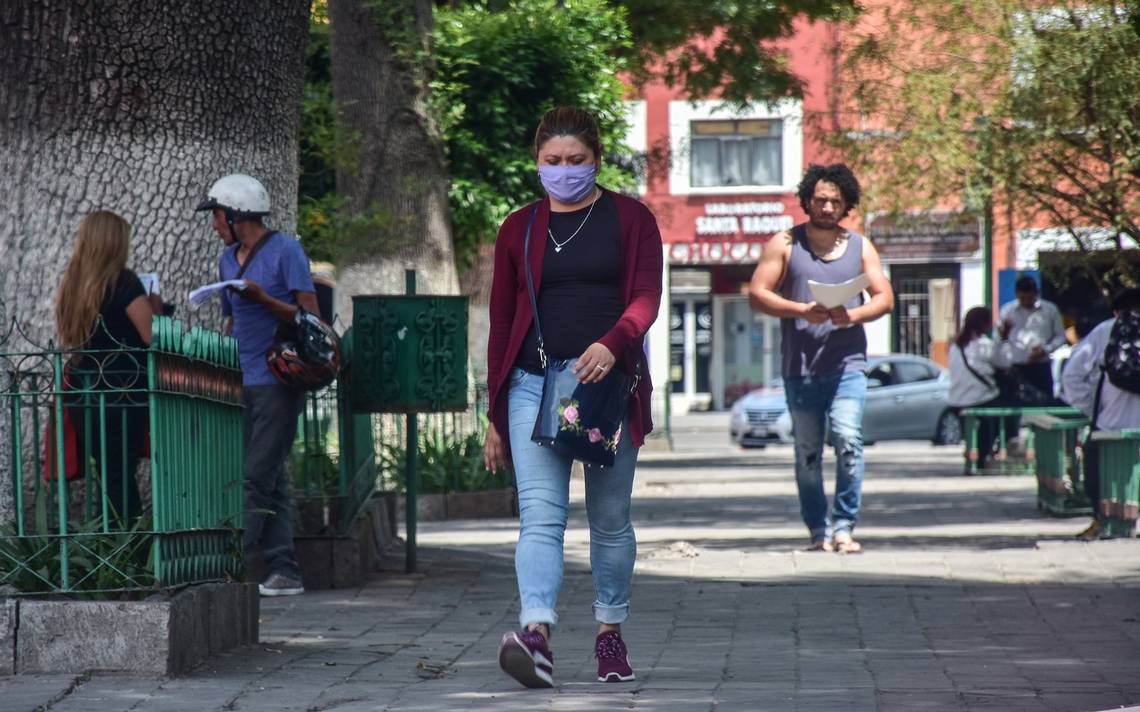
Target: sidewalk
966,599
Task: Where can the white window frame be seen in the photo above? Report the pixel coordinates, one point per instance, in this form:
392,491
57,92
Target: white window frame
637,139
681,115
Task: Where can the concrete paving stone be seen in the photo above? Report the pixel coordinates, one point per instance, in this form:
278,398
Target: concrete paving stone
749,609
910,701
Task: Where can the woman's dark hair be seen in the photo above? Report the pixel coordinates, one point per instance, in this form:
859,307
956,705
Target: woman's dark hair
569,121
977,322
837,174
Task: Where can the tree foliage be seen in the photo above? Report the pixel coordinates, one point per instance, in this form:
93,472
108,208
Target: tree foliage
954,101
496,65
496,73
722,47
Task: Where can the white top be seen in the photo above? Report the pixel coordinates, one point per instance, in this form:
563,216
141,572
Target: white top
1118,408
1039,326
985,356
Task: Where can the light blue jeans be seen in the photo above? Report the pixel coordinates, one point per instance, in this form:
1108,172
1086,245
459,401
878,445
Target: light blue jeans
543,480
838,398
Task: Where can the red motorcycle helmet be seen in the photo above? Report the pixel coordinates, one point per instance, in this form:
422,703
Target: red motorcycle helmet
307,355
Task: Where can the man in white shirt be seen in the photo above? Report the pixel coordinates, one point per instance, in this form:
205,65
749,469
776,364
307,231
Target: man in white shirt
1033,329
1113,409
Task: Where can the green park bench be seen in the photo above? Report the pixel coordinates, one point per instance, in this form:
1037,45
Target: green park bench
1119,468
1003,463
1059,470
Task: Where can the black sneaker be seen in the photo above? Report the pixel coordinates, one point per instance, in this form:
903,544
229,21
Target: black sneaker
526,657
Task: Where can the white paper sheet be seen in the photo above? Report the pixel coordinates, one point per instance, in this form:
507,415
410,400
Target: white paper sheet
833,295
199,296
150,282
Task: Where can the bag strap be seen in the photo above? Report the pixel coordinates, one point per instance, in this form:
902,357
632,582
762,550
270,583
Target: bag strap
530,286
1096,400
253,252
985,381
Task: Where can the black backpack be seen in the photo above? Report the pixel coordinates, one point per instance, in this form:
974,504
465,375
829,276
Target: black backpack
1122,353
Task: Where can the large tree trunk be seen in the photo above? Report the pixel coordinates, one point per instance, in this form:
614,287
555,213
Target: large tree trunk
136,106
379,83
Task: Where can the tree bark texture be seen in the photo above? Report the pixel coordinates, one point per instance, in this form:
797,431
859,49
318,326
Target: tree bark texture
137,106
379,71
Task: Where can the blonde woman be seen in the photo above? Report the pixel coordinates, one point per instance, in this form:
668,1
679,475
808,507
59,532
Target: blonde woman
103,313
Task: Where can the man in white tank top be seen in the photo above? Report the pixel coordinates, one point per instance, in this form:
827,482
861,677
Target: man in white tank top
824,349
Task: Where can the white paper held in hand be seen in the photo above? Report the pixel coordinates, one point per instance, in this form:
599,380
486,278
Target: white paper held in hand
833,295
199,296
150,282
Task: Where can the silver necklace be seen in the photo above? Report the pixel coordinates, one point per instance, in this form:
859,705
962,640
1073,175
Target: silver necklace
559,245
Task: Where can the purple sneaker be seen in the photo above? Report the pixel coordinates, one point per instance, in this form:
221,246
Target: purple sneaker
613,658
527,658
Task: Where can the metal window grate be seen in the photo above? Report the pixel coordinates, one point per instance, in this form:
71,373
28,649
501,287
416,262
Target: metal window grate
913,299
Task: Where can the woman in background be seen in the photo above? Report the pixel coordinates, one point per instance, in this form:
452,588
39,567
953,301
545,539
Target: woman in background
974,361
103,312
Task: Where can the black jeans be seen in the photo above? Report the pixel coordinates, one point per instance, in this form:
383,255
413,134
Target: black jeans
988,428
117,458
270,426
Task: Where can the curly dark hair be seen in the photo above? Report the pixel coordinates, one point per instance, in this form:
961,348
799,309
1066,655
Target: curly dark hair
837,174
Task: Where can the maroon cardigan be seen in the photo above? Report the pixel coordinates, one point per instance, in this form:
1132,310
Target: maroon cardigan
511,314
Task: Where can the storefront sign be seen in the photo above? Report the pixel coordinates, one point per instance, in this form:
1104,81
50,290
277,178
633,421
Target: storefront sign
714,253
749,218
945,235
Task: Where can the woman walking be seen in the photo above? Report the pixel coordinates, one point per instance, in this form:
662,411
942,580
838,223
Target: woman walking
975,359
103,311
595,259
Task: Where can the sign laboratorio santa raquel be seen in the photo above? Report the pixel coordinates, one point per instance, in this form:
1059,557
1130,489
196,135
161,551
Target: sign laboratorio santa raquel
731,219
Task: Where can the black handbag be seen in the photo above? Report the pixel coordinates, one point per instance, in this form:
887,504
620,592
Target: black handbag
578,420
1017,390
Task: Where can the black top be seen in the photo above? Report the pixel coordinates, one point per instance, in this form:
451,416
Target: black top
114,332
579,298
115,329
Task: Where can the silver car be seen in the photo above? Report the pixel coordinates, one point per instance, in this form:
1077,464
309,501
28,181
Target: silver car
906,400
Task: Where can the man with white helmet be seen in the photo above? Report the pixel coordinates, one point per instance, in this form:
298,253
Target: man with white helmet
275,270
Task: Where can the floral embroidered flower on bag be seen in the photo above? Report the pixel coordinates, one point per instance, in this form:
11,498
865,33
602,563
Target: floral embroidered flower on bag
570,421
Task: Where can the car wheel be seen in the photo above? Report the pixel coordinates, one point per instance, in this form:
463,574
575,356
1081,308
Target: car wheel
949,431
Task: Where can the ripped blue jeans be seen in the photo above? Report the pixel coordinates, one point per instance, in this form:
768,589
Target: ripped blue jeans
834,401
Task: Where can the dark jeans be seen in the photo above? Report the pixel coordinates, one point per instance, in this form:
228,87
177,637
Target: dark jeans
117,458
988,429
270,426
1092,474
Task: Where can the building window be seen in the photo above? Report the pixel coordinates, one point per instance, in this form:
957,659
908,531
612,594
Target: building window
741,152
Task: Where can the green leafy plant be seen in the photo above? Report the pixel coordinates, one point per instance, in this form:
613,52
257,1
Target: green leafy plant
447,463
101,565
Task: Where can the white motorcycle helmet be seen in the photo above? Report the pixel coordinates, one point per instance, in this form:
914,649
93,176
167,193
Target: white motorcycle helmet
242,197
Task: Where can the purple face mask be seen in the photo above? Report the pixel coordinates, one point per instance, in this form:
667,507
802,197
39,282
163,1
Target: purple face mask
568,184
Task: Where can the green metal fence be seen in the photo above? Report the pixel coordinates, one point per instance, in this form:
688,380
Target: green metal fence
334,460
342,457
174,408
